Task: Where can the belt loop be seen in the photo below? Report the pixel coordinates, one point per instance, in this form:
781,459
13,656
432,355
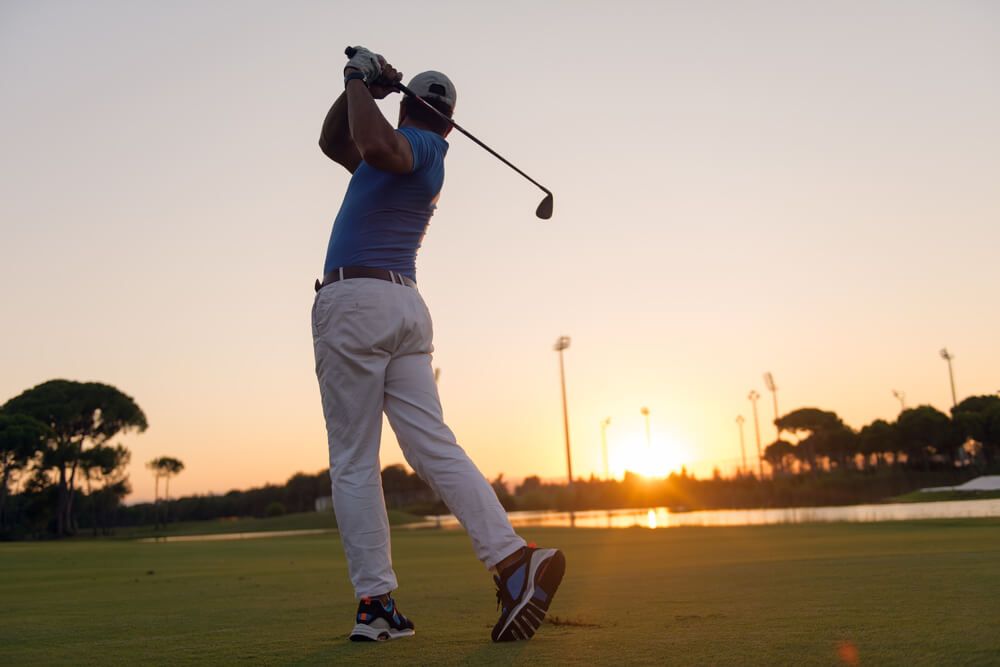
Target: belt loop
341,269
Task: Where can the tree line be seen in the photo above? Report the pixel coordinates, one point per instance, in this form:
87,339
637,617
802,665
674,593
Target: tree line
60,472
921,437
402,489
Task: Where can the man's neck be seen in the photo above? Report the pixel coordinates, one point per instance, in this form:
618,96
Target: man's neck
415,125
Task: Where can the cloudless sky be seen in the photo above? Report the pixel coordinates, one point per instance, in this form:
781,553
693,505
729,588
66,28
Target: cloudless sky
805,188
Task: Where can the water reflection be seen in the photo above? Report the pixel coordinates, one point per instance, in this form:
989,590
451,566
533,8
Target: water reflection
662,517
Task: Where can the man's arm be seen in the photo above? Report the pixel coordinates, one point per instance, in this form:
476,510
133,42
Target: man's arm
374,138
335,138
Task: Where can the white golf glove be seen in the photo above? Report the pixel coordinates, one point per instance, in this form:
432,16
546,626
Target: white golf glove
367,62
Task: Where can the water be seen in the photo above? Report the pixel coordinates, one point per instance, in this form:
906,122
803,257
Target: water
662,517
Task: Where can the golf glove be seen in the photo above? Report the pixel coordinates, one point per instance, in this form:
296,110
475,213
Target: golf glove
368,63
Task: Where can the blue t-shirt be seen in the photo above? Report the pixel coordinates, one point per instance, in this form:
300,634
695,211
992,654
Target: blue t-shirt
384,216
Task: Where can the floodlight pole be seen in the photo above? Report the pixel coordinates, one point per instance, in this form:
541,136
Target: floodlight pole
773,388
561,345
756,425
743,447
901,397
644,411
948,356
604,445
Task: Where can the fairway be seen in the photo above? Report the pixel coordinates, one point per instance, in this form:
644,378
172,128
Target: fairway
899,593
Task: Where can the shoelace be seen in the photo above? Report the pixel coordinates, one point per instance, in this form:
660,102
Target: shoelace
496,580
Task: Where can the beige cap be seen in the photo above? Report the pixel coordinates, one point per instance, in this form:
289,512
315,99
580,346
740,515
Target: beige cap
434,85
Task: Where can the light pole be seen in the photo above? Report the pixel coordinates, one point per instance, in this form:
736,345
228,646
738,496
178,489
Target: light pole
644,411
948,356
743,447
561,345
756,425
901,397
604,444
773,388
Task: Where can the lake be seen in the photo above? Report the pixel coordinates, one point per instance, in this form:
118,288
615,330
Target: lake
662,517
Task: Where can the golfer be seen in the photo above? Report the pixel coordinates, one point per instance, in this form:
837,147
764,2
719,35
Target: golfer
372,341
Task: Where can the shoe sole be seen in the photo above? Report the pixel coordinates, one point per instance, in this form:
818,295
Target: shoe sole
366,633
545,574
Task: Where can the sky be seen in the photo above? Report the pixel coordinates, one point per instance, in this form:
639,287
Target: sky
805,188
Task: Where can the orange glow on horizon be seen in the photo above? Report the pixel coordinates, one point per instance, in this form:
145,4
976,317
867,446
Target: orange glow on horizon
657,459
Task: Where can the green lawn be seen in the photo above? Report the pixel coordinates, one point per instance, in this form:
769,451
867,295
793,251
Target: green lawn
918,593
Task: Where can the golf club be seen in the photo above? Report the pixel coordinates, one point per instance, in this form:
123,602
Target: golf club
544,210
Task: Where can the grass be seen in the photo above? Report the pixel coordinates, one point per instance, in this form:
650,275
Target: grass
942,496
913,593
298,521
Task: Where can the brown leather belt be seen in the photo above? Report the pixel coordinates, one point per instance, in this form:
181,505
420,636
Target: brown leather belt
348,272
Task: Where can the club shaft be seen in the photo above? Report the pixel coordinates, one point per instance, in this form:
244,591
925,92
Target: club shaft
411,94
350,51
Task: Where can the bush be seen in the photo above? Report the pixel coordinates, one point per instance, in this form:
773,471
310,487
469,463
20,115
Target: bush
274,509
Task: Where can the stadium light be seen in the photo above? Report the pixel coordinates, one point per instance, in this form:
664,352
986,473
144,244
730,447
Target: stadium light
743,447
948,356
604,445
562,344
756,425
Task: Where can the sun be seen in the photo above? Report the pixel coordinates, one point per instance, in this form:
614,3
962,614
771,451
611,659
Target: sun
657,459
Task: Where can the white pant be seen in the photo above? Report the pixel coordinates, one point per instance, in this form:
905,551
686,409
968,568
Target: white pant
372,340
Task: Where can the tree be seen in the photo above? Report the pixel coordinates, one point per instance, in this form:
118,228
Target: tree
502,491
154,467
838,444
402,488
530,484
301,490
925,430
878,439
165,467
105,466
819,433
978,418
779,455
80,416
22,439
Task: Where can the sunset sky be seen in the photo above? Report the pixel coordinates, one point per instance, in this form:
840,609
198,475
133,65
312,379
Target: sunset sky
804,188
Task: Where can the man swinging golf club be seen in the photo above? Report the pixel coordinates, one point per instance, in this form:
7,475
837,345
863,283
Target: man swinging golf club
372,341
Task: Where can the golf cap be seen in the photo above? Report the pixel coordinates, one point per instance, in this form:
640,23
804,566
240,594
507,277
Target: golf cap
435,85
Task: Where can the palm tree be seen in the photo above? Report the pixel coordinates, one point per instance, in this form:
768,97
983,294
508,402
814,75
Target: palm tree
166,467
154,465
170,467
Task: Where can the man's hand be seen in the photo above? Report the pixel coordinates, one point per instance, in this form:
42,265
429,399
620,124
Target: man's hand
386,82
368,63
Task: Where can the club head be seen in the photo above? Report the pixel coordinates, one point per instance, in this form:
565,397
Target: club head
544,210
